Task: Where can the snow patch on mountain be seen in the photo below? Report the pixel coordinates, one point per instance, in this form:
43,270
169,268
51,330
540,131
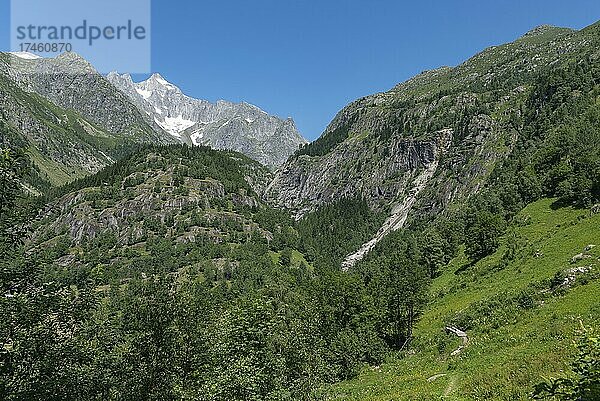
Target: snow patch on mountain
197,138
161,80
145,94
176,125
156,81
26,55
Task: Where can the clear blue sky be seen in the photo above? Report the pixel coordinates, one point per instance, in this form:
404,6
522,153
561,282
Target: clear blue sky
307,59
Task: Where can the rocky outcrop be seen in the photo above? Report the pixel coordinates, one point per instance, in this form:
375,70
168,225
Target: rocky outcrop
63,145
145,199
356,168
427,143
397,218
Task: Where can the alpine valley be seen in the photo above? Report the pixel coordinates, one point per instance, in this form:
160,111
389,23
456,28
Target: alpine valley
437,241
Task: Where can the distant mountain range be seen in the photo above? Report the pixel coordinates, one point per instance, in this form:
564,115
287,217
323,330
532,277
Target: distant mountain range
222,125
74,121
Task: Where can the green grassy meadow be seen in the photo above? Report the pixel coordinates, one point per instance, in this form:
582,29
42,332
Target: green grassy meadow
520,318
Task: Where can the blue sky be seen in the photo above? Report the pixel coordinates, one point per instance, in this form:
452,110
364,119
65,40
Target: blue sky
307,59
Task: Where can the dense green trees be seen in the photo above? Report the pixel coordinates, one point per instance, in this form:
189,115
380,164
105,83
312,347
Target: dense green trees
433,253
327,141
557,154
14,166
198,162
163,319
397,277
483,234
333,231
39,355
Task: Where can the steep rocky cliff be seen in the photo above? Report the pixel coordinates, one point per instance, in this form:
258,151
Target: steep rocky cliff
67,117
431,141
62,144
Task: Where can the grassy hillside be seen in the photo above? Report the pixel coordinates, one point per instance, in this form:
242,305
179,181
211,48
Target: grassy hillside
514,305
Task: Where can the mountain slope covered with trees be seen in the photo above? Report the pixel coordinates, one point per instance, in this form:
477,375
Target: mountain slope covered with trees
165,276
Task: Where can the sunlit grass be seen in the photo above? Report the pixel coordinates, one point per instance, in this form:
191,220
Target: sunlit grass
500,363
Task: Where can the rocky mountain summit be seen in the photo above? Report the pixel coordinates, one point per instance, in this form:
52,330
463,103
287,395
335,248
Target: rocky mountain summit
222,125
67,117
73,121
72,83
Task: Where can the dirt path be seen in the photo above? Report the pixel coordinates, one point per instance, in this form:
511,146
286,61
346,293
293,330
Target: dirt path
463,336
452,379
435,377
451,386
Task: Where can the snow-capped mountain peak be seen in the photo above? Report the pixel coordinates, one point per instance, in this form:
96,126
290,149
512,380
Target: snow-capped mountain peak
222,125
158,78
157,83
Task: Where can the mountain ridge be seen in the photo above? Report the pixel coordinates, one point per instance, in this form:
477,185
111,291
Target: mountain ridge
242,127
71,82
367,150
67,117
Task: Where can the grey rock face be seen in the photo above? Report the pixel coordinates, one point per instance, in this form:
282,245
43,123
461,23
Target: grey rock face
430,142
375,146
222,125
356,168
158,191
83,219
72,83
43,130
